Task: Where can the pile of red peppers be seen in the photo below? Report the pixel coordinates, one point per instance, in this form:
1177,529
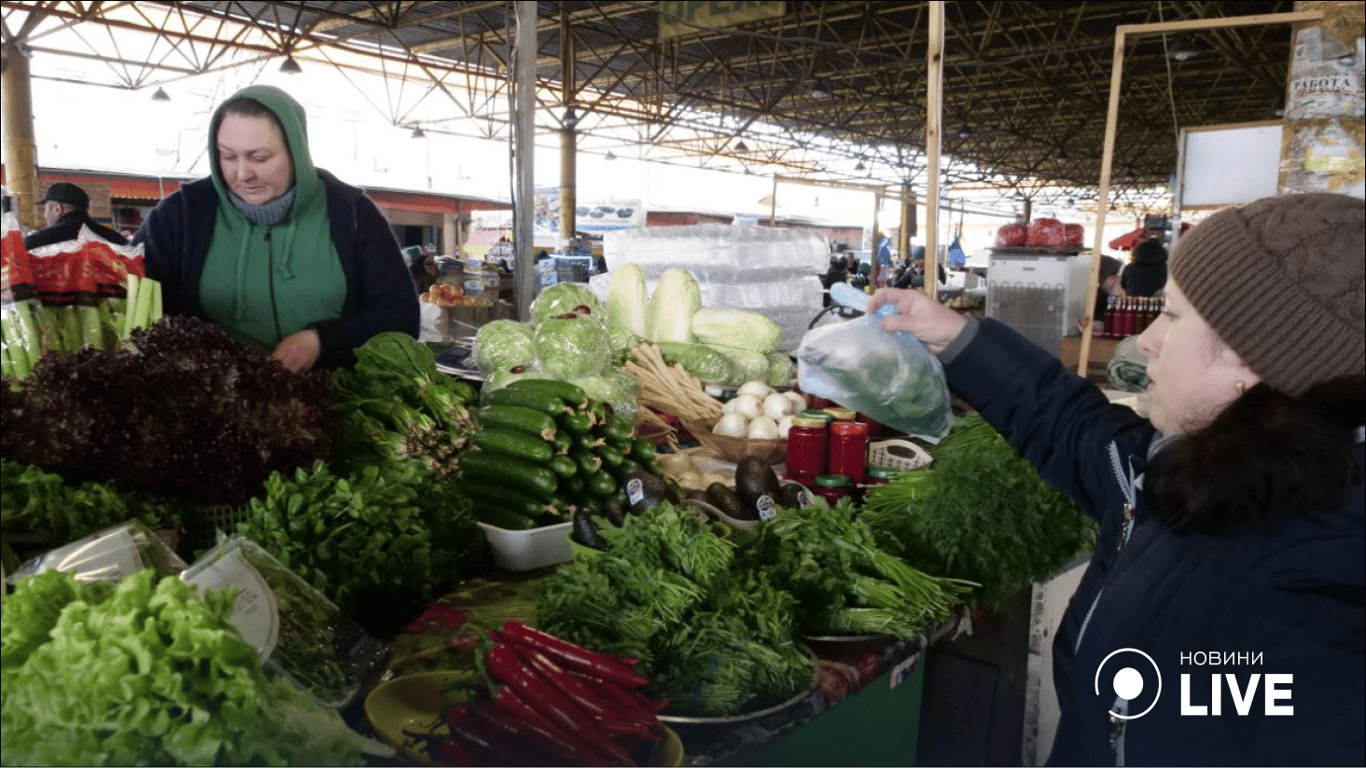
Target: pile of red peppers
552,703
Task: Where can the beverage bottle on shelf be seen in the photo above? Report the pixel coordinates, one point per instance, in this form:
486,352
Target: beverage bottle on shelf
1126,320
1109,323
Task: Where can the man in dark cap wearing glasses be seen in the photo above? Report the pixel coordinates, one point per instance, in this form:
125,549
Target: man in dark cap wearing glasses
66,209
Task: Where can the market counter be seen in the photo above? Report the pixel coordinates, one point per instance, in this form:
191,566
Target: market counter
864,711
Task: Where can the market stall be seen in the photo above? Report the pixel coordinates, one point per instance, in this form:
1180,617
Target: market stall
623,535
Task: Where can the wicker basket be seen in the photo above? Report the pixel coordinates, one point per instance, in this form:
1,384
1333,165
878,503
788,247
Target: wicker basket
735,448
901,455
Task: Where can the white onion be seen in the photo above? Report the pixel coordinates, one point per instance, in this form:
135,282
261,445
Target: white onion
690,480
798,401
762,428
757,388
784,424
731,425
747,406
777,406
676,463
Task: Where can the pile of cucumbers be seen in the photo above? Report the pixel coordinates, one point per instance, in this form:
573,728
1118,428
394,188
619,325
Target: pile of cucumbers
544,451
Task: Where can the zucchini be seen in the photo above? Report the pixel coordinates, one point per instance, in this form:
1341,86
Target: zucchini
572,394
513,443
484,493
509,471
580,423
563,466
517,417
502,518
529,398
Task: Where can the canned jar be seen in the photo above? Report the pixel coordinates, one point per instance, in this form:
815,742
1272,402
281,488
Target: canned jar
877,474
833,487
808,443
849,449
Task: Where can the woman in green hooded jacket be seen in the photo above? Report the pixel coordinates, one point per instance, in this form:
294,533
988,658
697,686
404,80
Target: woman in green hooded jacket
278,253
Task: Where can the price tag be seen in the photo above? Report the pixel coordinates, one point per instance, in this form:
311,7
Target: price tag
903,670
766,507
255,613
635,491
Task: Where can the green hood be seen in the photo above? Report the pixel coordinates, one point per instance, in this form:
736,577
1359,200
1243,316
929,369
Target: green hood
262,283
291,115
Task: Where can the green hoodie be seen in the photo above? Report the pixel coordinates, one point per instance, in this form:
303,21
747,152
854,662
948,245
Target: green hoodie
262,283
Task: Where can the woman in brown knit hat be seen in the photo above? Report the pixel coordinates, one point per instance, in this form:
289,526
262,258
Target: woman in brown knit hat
1221,618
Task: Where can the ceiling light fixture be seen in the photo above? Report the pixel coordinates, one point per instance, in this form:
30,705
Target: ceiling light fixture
1184,50
417,133
290,67
820,90
161,95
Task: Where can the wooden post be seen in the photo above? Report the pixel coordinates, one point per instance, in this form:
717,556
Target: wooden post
934,85
523,129
21,154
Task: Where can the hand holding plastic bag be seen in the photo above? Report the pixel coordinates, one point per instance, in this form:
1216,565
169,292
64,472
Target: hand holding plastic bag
888,376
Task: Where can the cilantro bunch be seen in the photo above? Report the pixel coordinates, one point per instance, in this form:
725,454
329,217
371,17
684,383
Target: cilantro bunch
187,412
147,673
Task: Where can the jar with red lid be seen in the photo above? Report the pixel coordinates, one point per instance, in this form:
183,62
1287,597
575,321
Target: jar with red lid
833,487
849,449
807,447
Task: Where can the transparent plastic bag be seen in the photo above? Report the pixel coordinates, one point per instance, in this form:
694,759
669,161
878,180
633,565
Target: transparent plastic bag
108,555
889,377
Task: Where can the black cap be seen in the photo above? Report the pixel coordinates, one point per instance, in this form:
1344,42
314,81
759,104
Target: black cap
65,192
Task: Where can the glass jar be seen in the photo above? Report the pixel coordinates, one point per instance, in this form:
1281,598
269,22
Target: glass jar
841,414
849,449
833,487
807,448
877,475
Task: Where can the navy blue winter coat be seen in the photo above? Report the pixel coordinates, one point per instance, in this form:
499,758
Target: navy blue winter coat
380,294
1294,594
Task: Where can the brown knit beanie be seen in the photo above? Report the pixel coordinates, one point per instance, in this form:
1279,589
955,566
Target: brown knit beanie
1281,281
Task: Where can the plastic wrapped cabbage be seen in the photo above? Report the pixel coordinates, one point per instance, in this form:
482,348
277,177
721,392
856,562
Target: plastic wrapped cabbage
779,370
748,365
503,345
571,347
617,389
562,298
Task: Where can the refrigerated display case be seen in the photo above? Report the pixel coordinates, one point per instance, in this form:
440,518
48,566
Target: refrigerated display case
1039,292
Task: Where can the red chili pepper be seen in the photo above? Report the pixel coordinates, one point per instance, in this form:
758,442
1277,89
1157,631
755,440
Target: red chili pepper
507,667
481,749
578,691
450,752
617,728
580,658
647,703
568,744
624,705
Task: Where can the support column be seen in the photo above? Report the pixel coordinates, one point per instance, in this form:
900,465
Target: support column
569,197
523,130
903,240
21,152
1321,147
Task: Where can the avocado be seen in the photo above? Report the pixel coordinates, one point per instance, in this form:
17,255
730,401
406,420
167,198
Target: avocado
724,499
644,490
754,479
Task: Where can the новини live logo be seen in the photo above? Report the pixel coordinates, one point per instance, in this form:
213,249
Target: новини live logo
1134,677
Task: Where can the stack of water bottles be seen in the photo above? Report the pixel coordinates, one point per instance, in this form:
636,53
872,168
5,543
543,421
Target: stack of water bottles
772,271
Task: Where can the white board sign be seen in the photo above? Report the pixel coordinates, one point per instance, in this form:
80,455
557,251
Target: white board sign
1229,164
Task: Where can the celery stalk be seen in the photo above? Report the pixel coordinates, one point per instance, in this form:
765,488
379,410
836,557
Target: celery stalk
72,333
92,332
156,301
110,324
130,307
6,364
142,315
21,336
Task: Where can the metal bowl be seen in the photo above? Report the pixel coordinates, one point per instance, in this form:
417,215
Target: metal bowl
755,715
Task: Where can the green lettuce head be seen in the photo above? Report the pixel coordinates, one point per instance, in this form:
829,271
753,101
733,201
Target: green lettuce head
502,345
572,347
563,298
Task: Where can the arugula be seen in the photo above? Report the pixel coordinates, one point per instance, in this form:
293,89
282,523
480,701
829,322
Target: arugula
147,673
981,513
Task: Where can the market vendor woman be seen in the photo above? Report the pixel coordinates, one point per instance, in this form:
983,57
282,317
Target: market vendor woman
278,253
1229,559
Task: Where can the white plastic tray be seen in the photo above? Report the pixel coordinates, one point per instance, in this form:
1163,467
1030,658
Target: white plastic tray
531,549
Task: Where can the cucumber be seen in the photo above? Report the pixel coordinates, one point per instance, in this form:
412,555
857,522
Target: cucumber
529,398
580,423
618,427
629,464
560,505
517,417
502,518
563,441
563,466
572,395
589,462
501,469
584,441
642,449
599,412
602,485
486,494
572,487
513,443
611,457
